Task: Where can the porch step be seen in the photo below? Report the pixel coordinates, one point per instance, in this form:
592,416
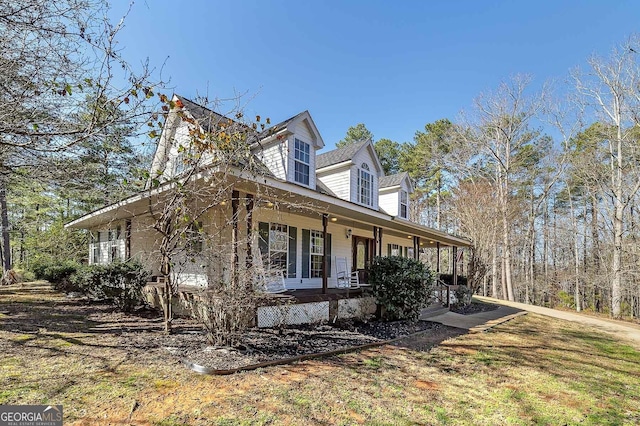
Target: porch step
433,311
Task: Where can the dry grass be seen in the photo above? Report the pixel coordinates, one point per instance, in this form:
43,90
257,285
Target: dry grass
532,370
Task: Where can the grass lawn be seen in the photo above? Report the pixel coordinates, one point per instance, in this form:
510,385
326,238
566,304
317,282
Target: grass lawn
532,370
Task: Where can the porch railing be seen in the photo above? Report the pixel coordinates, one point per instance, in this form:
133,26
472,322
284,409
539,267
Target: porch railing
442,293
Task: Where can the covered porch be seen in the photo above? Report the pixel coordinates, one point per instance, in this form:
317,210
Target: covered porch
354,233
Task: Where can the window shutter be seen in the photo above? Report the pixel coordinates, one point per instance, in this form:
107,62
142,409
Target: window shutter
388,250
329,255
306,258
263,240
293,242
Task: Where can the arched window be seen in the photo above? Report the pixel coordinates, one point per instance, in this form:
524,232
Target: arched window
365,185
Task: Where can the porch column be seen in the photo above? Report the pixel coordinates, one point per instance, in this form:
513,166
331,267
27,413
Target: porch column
325,253
249,206
127,239
455,265
416,248
380,242
438,259
235,200
375,238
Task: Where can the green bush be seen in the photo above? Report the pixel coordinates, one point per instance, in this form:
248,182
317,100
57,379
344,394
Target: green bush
57,273
463,295
401,286
120,283
567,300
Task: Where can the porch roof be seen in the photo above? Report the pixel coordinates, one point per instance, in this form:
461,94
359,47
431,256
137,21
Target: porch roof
307,202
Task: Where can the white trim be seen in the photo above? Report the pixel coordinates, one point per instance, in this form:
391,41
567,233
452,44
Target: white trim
390,188
334,166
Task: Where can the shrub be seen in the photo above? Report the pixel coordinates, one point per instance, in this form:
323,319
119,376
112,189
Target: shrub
120,283
225,315
57,273
566,299
463,295
401,286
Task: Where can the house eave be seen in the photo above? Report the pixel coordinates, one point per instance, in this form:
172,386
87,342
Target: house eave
390,188
138,205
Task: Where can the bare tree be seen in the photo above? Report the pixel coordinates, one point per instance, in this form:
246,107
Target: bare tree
54,56
501,134
610,89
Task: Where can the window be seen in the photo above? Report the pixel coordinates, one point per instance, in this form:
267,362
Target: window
278,246
114,236
178,164
95,253
195,238
395,250
301,163
317,254
365,185
404,204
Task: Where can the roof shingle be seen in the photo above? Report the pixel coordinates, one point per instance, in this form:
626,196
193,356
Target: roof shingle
339,155
392,180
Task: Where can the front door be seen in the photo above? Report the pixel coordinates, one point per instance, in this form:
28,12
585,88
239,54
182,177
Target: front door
362,256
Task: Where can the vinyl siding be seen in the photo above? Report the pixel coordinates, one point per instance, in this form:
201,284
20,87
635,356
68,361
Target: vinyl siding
392,239
389,201
338,181
275,157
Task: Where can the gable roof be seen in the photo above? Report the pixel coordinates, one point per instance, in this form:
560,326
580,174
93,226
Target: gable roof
282,125
392,180
206,118
339,155
203,115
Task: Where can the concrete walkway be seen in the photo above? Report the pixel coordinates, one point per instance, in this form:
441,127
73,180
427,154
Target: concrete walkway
474,322
624,330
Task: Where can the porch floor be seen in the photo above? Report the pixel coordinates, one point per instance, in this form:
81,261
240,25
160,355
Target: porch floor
297,296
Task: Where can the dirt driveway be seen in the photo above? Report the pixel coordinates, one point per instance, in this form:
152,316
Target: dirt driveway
621,329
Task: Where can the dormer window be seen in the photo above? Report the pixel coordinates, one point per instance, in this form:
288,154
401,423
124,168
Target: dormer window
404,204
301,162
365,185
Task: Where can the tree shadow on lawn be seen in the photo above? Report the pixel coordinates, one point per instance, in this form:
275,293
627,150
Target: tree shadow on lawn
56,313
545,370
581,359
79,321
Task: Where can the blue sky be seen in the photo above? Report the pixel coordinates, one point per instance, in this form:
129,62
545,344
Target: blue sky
393,65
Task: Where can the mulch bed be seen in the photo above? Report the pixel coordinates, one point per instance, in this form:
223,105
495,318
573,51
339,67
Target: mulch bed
189,343
258,346
141,334
474,308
